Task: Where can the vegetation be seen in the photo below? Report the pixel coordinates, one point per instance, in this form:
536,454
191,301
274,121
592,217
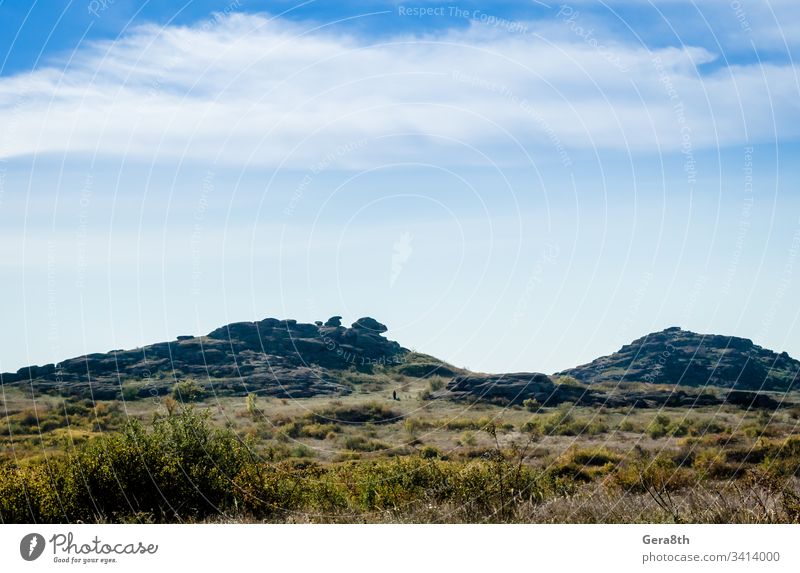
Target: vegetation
188,391
362,459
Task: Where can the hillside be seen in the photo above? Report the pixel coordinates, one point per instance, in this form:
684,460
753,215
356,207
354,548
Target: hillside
287,359
682,358
279,421
273,357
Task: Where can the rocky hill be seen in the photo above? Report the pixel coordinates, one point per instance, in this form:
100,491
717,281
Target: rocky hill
682,358
273,357
288,359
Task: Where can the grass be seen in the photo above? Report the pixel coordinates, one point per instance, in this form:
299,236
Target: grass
369,458
181,468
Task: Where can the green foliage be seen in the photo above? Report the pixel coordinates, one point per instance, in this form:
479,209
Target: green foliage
188,391
306,428
711,463
783,458
656,474
252,407
429,452
568,381
181,469
563,422
659,426
362,444
531,404
412,426
369,412
130,393
69,413
585,464
626,426
173,471
662,426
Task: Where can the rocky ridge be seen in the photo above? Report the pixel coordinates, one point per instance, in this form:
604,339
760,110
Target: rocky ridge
273,357
682,358
288,359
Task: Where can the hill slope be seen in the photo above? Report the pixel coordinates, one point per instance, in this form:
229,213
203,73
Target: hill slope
274,357
288,359
679,357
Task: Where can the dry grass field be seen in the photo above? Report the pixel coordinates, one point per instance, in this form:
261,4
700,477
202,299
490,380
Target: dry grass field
370,457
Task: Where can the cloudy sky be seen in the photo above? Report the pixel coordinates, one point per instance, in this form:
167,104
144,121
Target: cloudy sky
507,185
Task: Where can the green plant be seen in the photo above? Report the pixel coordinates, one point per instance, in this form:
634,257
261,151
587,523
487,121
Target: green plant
369,412
362,444
130,393
429,452
659,426
252,407
626,426
436,383
188,391
531,404
468,439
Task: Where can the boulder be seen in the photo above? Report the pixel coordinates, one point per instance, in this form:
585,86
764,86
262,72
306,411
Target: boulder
370,324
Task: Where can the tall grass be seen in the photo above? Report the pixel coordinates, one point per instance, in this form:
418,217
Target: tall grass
180,468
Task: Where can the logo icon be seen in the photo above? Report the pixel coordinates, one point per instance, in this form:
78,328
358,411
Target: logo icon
31,546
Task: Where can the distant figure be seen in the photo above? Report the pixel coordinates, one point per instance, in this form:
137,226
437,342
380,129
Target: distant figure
394,394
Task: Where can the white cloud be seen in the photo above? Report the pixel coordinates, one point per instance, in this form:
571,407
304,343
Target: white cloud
255,90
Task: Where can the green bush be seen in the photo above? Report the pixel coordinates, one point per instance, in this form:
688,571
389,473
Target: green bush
530,404
188,391
362,444
180,468
369,412
584,464
562,422
659,427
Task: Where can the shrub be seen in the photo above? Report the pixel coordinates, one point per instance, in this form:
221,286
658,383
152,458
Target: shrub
626,426
188,391
413,425
179,469
372,412
656,474
468,439
130,393
319,431
429,452
530,404
252,407
362,444
436,383
710,463
783,458
585,464
562,422
659,427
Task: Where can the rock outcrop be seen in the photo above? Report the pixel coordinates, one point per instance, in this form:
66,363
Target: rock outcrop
285,358
682,358
516,388
273,357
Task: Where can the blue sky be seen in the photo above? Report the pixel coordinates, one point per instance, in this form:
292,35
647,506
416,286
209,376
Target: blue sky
509,186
